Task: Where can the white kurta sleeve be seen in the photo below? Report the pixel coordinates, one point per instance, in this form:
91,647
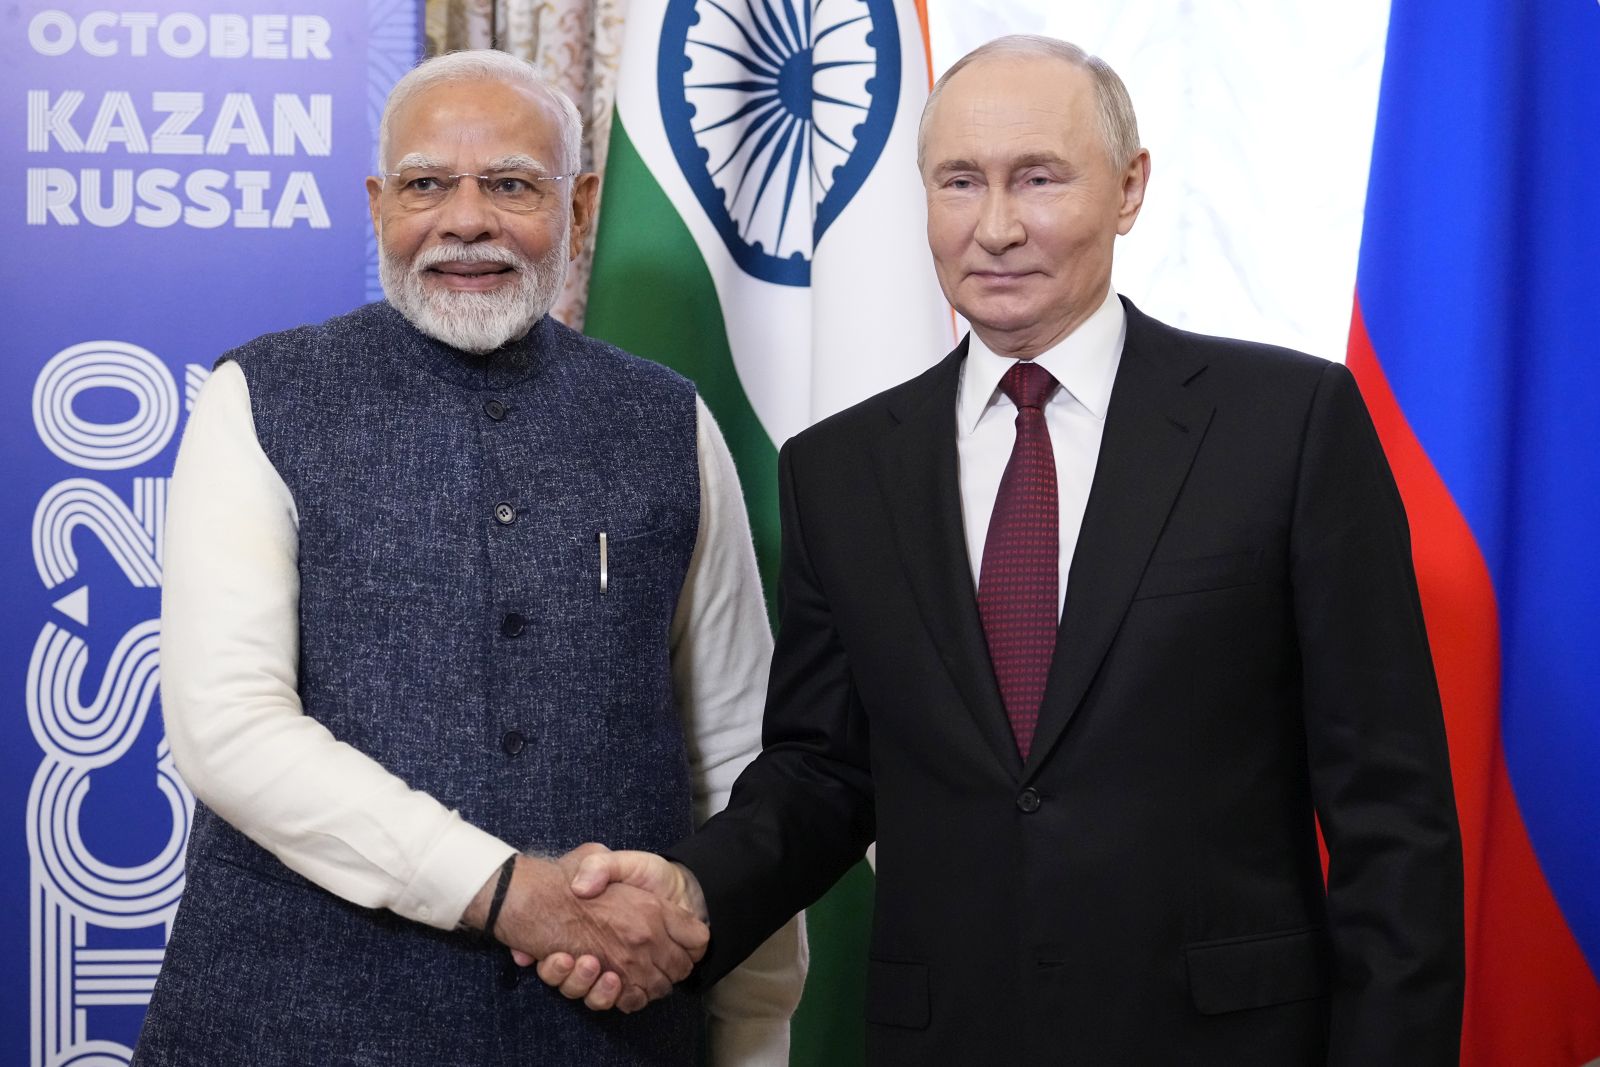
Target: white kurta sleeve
721,649
239,736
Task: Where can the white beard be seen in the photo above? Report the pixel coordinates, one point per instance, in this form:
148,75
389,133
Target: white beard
475,322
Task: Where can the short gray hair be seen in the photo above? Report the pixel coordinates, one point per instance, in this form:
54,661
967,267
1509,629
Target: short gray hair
1119,128
484,64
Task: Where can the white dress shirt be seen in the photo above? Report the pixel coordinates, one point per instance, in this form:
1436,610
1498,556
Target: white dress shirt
1085,364
230,641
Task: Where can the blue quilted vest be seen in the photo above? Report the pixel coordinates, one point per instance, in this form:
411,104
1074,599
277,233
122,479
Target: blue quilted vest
454,628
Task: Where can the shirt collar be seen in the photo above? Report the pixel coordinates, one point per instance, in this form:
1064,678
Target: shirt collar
1084,362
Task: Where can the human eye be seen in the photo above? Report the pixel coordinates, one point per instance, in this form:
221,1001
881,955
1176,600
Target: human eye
960,183
514,185
421,183
515,190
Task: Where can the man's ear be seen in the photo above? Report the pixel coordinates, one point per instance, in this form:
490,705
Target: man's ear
374,190
1135,179
585,206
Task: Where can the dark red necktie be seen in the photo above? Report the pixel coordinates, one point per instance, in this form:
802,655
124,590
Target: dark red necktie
1017,583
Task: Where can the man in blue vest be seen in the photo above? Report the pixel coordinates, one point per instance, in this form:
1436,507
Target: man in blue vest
450,589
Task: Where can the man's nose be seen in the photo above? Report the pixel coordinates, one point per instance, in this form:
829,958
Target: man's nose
999,224
467,214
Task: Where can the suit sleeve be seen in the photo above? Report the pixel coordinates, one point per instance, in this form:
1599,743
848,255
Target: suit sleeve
802,813
1380,769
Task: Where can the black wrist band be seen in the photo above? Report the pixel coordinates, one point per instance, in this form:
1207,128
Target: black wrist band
499,898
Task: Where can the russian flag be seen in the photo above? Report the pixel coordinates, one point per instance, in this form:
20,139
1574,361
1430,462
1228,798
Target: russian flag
1476,339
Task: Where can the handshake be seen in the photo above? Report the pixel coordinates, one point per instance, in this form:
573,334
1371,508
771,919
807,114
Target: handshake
616,929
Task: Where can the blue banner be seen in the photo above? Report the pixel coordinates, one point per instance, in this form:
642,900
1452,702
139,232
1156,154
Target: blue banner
178,182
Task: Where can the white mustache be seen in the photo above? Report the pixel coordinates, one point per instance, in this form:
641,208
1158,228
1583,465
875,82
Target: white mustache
432,257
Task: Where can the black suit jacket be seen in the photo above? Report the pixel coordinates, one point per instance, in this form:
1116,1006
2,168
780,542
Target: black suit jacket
1241,653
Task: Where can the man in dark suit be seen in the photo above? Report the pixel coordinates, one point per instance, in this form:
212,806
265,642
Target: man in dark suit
1089,626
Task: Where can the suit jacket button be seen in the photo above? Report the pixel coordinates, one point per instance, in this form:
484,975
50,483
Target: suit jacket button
1028,800
505,514
495,410
513,742
510,974
512,625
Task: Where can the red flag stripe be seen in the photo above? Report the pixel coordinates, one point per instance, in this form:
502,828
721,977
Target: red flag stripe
1531,998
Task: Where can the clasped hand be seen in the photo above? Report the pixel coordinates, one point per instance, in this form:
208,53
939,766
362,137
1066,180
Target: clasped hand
616,929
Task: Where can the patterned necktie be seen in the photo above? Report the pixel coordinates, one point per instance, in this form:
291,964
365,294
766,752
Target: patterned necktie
1017,583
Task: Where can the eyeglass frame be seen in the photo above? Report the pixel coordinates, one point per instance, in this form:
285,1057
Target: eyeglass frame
454,180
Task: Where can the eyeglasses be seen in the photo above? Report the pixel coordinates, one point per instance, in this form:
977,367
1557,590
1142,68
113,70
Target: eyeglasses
510,190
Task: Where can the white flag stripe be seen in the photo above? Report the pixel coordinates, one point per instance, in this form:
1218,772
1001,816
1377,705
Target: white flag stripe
878,315
775,379
872,315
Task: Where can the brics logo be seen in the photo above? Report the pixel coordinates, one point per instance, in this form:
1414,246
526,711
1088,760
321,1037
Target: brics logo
99,915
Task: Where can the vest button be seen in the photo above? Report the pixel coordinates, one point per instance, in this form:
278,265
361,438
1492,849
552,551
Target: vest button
512,625
1028,801
505,514
495,410
512,742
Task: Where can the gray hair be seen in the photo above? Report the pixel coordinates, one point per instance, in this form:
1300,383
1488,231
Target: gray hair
1119,129
485,64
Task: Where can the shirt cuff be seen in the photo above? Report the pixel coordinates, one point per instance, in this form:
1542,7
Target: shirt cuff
452,871
749,1042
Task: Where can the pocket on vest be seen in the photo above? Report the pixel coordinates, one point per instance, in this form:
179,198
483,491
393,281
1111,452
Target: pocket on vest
638,565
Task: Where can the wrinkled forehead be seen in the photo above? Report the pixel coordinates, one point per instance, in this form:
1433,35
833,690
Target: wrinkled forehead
471,124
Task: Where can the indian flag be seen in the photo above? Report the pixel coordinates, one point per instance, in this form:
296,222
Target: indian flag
763,232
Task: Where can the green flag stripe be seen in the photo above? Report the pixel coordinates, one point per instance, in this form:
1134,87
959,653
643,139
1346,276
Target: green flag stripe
830,1027
650,293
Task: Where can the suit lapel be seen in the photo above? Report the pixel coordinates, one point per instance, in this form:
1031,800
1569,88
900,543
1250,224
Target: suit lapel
918,473
1154,425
